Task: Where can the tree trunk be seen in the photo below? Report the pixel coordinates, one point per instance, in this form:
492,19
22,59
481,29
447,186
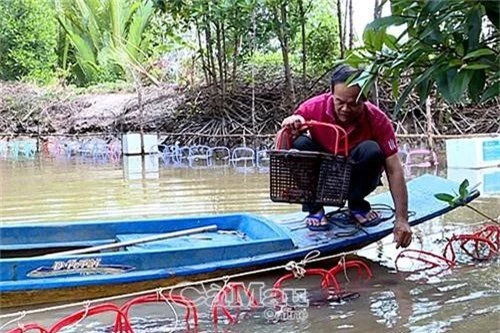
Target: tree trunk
351,27
341,35
224,52
210,51
377,11
344,30
376,14
237,41
202,54
303,33
209,43
220,57
283,36
430,125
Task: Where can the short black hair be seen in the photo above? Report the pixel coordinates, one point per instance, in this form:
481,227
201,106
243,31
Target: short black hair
342,73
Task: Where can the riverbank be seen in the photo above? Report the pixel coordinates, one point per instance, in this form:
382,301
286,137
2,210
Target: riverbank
203,114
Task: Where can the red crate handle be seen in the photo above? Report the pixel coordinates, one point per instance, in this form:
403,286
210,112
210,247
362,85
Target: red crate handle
284,137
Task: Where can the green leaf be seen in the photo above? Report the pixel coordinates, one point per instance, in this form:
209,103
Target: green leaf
479,53
413,56
384,22
445,197
428,31
433,6
454,63
391,42
460,49
373,39
423,90
354,58
452,83
395,83
140,20
473,27
491,92
419,78
462,190
476,84
476,66
365,80
460,84
398,6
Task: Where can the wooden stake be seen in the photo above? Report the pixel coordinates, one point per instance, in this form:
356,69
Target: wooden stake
430,133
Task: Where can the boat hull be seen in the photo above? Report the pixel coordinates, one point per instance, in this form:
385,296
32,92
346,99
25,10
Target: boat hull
114,258
25,298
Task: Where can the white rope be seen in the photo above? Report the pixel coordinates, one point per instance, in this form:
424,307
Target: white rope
184,284
85,314
160,294
342,262
226,279
297,268
176,286
21,314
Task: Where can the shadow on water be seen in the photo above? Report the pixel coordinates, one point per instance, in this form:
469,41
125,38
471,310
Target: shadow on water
463,299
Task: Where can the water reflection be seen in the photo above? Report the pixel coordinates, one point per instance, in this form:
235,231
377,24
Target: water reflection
58,189
61,189
486,180
141,167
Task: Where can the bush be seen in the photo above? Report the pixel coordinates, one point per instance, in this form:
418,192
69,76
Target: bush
28,39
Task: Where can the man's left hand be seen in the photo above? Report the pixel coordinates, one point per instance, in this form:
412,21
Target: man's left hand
402,234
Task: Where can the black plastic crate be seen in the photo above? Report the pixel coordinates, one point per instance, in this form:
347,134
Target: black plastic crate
309,177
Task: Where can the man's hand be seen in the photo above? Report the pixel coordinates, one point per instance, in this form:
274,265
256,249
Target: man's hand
402,234
294,123
395,175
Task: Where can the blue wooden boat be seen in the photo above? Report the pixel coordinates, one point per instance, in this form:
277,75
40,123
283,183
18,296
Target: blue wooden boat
50,262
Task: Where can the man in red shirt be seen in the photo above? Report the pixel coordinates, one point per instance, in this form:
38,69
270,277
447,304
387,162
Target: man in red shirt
372,147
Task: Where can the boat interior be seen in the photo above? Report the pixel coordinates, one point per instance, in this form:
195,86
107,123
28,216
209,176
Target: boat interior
136,236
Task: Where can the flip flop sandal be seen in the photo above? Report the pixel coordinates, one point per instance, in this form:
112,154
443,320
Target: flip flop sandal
320,227
341,219
369,223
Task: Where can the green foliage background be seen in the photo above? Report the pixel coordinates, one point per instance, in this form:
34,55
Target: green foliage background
28,39
447,46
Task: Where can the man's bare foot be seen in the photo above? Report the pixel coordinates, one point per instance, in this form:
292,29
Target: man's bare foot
364,217
317,221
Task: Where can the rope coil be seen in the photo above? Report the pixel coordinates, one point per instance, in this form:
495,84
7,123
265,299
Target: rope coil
298,268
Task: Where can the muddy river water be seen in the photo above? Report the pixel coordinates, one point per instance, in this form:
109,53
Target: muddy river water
466,299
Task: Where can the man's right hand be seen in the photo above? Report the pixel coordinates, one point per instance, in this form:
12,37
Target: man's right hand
294,123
